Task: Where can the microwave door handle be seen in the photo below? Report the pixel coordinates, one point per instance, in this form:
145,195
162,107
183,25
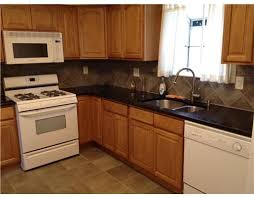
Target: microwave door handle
49,110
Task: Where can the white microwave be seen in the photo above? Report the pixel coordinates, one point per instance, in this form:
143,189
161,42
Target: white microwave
22,47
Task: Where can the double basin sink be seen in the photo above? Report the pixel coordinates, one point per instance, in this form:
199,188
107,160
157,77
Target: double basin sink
174,105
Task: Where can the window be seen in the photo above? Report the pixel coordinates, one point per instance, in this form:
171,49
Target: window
191,36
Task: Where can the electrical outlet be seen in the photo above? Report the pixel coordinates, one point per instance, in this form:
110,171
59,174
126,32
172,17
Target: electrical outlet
85,70
239,81
136,72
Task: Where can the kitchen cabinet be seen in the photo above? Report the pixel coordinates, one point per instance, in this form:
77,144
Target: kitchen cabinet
44,17
96,116
238,38
141,144
17,17
115,127
141,31
169,157
68,25
92,32
84,119
1,38
9,137
115,29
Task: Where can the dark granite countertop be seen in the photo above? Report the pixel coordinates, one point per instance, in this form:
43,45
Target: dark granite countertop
5,101
229,119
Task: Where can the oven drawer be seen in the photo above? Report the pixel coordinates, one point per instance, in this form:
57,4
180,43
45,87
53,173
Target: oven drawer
46,127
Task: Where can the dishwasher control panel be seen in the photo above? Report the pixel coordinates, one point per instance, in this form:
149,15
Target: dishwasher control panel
220,139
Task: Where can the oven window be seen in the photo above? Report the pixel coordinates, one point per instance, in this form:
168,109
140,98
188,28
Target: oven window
30,50
50,124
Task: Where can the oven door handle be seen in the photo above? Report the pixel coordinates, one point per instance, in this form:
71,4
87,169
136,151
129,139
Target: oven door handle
47,110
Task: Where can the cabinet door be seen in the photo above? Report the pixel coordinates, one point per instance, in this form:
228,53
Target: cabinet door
1,38
17,17
68,25
141,139
44,17
121,135
108,130
96,115
9,143
238,34
169,157
92,32
84,119
115,31
134,31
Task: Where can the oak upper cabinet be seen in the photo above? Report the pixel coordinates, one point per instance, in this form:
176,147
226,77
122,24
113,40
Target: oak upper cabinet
92,32
9,137
169,157
96,116
141,31
141,138
68,25
84,119
17,17
238,38
115,29
1,38
115,127
44,17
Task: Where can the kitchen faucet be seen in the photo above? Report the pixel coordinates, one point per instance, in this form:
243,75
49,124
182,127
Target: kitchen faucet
193,94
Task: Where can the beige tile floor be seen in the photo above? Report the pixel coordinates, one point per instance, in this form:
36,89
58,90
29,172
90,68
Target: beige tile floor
93,171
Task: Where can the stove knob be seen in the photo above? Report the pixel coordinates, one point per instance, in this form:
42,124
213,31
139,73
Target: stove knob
237,146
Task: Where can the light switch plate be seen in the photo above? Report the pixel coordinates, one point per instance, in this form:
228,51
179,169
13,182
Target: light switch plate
85,70
239,82
136,72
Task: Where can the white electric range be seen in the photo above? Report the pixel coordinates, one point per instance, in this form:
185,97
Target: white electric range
46,119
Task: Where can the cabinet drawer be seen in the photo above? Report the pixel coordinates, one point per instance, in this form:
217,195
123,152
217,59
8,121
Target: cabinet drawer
115,107
168,124
7,113
141,115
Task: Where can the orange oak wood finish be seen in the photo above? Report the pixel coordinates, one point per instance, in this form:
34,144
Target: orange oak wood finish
9,137
108,130
141,144
68,25
134,30
1,38
238,38
44,17
141,115
115,29
96,116
169,157
92,31
84,119
17,17
169,124
115,107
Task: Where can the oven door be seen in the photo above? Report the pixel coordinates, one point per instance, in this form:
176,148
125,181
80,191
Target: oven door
47,127
21,50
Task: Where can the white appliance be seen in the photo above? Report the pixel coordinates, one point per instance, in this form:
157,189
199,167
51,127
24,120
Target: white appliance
46,118
215,161
22,47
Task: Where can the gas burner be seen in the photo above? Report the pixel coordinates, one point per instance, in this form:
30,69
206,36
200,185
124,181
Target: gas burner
27,96
53,93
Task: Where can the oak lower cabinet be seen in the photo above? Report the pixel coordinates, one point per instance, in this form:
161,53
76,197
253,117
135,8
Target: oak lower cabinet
169,157
141,144
238,38
84,119
68,25
17,17
115,128
9,137
92,32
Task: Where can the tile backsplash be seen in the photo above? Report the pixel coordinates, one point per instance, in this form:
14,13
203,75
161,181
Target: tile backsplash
120,73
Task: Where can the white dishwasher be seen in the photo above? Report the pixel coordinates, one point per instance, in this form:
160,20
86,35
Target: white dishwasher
215,161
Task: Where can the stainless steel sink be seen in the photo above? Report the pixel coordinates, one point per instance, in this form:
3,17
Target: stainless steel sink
165,104
190,109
